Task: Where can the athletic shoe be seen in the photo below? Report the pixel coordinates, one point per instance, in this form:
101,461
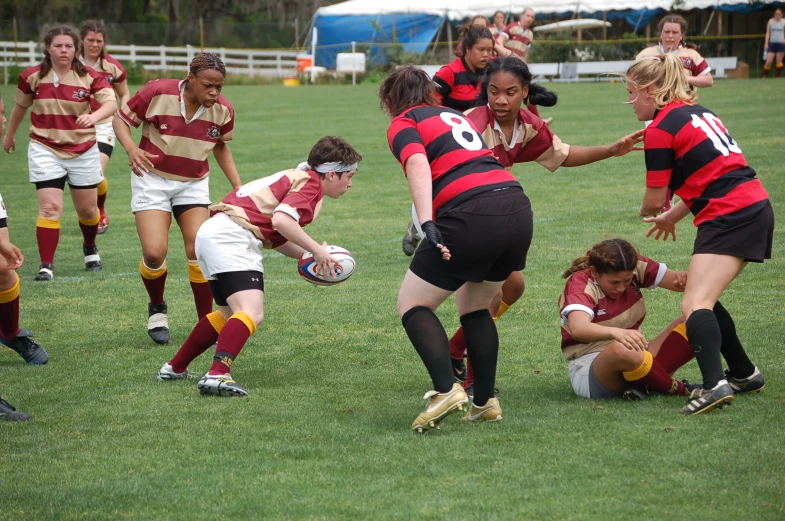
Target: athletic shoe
634,394
410,240
103,222
752,384
10,414
458,369
45,272
92,261
220,385
167,373
158,323
470,391
705,400
439,406
29,349
490,412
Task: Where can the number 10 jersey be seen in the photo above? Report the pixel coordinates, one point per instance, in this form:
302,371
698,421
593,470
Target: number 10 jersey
689,150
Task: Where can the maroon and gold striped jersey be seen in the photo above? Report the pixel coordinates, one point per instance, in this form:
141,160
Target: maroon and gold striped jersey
113,72
582,293
57,104
532,139
689,150
182,146
457,87
691,60
461,163
519,40
298,193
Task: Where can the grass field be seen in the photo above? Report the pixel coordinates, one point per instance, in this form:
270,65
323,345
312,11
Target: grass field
335,383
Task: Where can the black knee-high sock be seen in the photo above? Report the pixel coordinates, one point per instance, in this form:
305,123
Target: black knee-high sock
732,351
705,337
430,341
482,344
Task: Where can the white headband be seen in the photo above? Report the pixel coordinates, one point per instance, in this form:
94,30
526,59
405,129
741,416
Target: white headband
325,168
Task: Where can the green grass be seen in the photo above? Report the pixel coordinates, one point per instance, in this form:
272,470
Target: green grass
335,383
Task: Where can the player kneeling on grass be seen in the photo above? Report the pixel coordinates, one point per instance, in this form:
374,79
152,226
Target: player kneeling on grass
266,213
690,152
602,309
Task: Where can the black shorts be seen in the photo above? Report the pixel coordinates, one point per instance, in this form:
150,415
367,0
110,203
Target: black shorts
227,284
488,237
750,240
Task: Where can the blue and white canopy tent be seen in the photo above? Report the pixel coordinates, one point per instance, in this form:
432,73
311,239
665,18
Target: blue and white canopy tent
415,23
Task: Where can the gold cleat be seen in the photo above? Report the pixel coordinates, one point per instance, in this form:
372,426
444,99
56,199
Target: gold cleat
440,405
490,412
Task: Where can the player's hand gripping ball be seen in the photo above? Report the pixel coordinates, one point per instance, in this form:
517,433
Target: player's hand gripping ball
344,267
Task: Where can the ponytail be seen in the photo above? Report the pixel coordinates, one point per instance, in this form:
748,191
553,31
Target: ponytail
666,74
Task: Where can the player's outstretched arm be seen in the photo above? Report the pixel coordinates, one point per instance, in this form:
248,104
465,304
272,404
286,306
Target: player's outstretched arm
89,120
580,156
583,329
291,229
703,81
653,201
290,249
225,160
418,175
12,256
17,115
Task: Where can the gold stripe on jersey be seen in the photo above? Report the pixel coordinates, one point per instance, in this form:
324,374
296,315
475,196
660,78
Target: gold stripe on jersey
684,52
45,106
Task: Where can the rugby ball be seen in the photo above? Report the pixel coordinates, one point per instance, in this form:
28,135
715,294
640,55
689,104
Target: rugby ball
343,268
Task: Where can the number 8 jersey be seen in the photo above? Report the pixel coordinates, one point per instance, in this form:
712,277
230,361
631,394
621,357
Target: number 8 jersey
462,165
690,151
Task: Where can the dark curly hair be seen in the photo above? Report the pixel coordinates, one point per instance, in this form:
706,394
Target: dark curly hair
538,95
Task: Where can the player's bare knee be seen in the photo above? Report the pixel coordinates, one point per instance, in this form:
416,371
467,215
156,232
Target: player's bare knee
7,277
50,210
154,260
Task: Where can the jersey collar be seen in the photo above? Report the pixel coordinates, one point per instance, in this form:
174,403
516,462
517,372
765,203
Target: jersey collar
199,112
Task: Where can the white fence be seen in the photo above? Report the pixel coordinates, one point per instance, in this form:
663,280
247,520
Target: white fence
238,61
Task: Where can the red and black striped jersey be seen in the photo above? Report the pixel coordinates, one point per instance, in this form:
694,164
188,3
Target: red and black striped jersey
461,163
457,87
689,150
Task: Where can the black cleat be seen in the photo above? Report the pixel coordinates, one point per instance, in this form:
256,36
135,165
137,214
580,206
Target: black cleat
10,414
158,323
45,272
92,261
703,400
634,394
29,349
458,369
752,384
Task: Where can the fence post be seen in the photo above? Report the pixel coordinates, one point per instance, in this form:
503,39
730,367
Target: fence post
163,59
250,64
133,54
189,55
278,65
31,54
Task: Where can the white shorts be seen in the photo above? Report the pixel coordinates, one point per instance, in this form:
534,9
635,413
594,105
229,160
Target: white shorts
44,165
579,374
223,246
152,192
104,133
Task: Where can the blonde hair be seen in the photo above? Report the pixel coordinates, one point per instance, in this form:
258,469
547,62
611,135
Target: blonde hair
666,74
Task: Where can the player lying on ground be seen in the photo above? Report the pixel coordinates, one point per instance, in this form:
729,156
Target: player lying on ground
689,151
183,122
62,142
602,309
515,135
267,213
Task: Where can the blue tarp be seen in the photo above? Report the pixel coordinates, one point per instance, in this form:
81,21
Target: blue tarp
336,33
